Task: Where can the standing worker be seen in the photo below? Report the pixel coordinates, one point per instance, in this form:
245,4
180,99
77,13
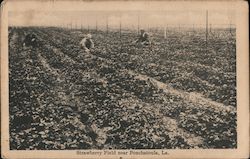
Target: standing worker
87,43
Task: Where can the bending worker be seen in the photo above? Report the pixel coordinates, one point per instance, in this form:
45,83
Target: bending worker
30,40
87,43
143,38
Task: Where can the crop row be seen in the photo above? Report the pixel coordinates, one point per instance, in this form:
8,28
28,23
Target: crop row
59,118
189,76
145,92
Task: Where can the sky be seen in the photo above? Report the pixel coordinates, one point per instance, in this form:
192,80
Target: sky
128,14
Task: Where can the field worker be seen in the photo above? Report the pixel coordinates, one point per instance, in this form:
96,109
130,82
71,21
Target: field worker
143,38
30,40
87,43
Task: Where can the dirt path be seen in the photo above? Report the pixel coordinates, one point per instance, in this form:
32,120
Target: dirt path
170,124
192,97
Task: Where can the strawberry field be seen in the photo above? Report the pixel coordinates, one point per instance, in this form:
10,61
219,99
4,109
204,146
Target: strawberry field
178,93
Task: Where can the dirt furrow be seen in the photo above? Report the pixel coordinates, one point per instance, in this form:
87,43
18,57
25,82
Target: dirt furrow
193,97
170,124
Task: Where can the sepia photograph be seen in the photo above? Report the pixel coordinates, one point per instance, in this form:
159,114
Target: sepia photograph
123,79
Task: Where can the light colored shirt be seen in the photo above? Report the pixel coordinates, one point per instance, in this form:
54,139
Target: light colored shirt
87,44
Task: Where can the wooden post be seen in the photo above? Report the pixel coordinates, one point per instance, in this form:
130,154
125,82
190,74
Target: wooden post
206,29
107,24
120,30
71,23
165,32
230,29
120,27
81,25
138,25
96,24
